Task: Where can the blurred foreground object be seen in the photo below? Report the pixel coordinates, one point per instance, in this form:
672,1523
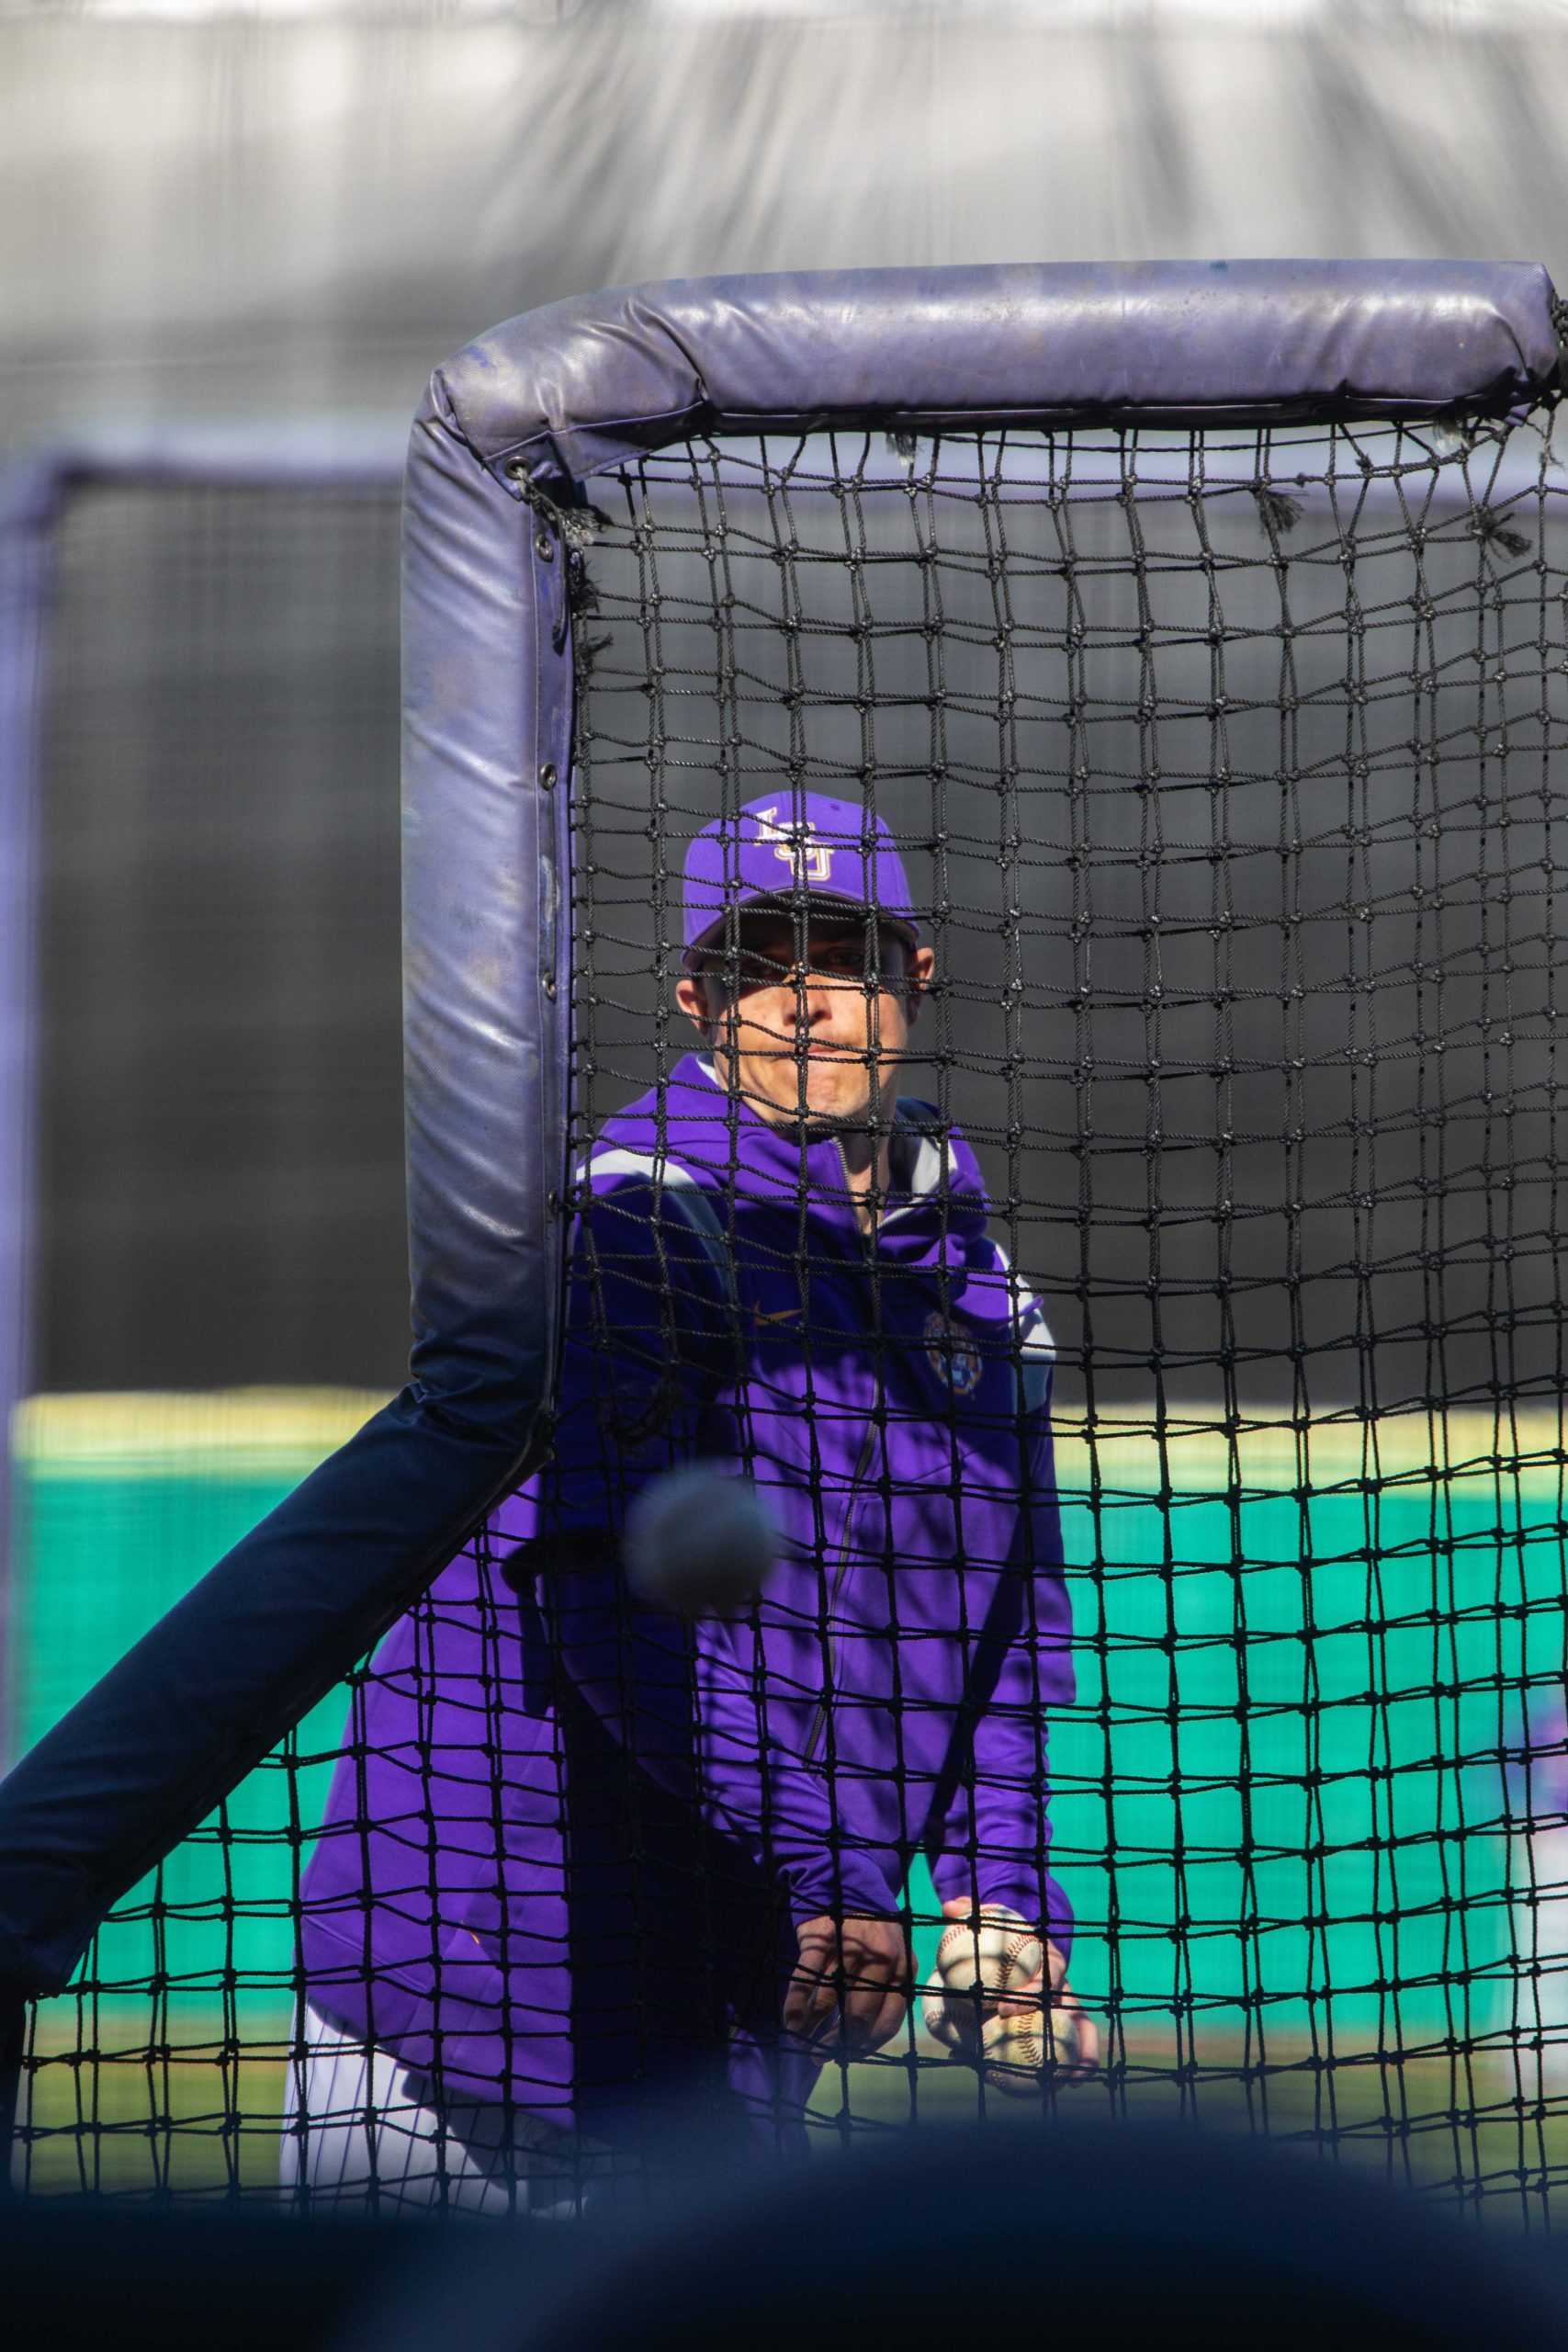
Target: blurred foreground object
80,2274
1073,2232
700,1541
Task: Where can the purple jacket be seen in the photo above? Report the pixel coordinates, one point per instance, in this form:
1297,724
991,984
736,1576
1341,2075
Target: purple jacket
567,1839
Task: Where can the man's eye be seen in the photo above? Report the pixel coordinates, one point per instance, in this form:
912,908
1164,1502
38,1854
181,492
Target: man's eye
764,972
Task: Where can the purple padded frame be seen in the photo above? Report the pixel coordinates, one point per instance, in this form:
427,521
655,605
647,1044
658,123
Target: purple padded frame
576,388
538,406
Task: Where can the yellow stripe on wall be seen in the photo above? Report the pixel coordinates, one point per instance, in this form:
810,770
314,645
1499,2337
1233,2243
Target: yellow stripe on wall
1194,1453
264,1431
151,1432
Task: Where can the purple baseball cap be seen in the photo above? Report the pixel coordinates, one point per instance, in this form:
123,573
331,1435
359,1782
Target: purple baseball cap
786,844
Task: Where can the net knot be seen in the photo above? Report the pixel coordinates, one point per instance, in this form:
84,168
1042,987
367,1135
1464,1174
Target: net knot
577,527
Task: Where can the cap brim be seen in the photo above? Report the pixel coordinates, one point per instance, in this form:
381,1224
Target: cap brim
827,902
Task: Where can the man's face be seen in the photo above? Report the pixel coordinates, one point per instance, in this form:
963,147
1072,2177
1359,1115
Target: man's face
810,1027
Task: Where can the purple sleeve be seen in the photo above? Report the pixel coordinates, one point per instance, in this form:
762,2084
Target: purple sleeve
648,1336
649,1333
993,1843
688,1702
764,1796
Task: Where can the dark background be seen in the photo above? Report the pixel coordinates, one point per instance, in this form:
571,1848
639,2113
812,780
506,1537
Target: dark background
220,1180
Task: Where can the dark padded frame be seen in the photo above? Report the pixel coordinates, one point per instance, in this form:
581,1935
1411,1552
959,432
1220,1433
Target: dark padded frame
506,436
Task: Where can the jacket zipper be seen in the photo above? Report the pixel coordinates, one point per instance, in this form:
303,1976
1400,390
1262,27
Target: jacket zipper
819,1724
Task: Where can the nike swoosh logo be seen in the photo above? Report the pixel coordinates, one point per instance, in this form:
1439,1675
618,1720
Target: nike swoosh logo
776,1314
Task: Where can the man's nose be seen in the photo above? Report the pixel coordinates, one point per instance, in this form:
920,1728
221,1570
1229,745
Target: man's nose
817,994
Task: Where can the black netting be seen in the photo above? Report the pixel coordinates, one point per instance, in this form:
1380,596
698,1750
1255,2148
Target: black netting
1220,771
1223,775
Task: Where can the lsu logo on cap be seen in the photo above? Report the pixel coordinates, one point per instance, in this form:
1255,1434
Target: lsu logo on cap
796,846
952,1354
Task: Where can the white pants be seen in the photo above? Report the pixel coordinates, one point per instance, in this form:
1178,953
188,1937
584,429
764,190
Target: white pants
361,2132
1541,1961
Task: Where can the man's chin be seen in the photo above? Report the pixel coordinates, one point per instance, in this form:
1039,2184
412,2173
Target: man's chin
836,1114
828,1104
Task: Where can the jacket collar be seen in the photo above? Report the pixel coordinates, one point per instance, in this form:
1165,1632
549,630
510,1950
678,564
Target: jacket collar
934,1224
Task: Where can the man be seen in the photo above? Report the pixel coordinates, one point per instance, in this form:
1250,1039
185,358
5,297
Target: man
584,1859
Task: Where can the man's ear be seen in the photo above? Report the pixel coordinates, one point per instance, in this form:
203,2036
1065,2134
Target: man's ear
920,972
692,996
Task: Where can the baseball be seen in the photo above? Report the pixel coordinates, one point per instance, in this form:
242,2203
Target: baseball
978,1963
699,1541
998,1954
1013,2053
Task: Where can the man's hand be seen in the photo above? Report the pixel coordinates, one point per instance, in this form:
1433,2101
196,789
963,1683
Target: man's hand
852,1983
1072,2037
